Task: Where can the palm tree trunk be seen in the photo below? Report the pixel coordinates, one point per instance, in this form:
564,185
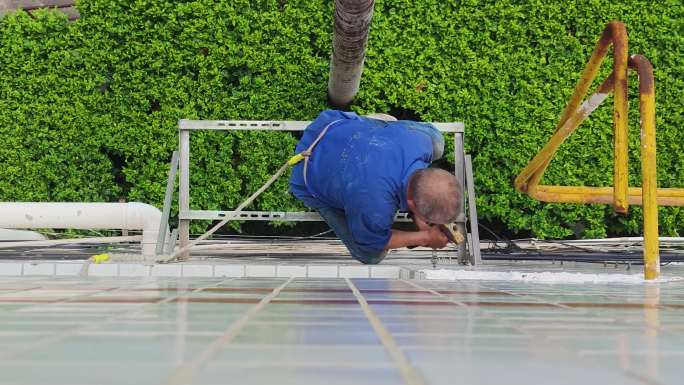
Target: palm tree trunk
350,36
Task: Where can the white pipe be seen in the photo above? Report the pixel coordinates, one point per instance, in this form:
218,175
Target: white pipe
72,215
71,241
21,235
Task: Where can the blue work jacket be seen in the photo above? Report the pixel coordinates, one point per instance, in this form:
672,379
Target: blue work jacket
361,166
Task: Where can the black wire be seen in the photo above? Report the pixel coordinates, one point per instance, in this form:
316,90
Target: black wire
308,236
509,245
492,232
588,250
512,245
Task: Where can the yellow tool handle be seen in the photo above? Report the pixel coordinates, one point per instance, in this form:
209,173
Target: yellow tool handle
452,234
295,159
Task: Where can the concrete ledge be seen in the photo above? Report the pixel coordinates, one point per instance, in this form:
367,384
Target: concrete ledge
204,269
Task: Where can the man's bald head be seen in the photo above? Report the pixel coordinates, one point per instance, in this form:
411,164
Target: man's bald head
435,194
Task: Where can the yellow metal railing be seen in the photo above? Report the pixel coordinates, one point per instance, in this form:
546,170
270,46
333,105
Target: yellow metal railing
621,196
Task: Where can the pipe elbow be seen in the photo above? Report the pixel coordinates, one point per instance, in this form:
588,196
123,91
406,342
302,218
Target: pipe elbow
142,216
148,218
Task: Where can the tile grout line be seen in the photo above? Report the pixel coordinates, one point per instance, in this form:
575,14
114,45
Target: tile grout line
532,297
28,306
520,330
554,303
630,373
4,355
626,373
417,286
186,373
470,311
67,300
407,371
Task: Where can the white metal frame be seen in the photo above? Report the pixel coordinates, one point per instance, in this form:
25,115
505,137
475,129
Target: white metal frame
185,127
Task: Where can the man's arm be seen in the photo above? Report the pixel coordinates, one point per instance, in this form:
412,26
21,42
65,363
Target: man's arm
431,237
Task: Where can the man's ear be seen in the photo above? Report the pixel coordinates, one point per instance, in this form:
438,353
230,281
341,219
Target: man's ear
411,205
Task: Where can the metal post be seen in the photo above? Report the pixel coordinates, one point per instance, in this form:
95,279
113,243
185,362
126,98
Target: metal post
459,168
475,256
168,197
648,165
184,189
620,104
172,242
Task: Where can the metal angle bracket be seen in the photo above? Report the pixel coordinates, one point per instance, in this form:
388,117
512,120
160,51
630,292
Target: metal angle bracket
168,197
294,216
474,236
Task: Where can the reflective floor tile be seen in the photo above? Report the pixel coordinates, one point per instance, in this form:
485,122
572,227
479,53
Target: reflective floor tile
146,330
322,334
119,348
216,374
75,373
293,355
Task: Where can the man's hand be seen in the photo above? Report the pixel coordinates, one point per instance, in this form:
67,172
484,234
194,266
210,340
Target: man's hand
431,237
435,238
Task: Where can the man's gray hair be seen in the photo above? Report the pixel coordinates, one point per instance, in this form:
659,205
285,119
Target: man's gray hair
436,194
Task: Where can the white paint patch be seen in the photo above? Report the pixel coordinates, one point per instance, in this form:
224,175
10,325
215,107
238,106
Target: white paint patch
542,277
590,105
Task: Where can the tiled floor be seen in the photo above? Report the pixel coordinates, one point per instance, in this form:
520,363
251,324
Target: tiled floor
90,330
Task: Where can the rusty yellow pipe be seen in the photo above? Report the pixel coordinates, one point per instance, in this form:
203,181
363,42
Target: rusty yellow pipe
648,164
543,157
592,68
546,154
613,29
603,195
580,115
632,191
620,153
529,178
621,195
615,33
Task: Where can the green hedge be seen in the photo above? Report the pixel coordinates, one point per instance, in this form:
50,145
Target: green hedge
88,109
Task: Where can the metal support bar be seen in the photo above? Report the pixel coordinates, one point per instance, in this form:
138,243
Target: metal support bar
184,189
475,256
649,177
168,198
459,171
278,125
293,216
172,242
604,195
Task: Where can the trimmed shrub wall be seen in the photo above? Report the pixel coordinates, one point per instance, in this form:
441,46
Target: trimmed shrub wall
88,109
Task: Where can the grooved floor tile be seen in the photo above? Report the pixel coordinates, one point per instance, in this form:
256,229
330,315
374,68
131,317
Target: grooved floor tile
68,329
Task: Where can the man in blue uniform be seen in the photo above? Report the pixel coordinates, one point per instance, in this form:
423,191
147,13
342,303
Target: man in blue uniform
360,170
